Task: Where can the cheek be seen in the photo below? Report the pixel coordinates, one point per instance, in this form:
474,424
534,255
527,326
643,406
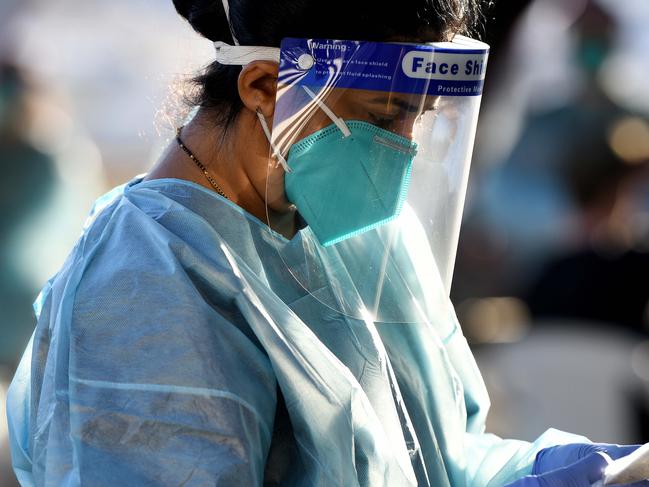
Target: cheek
316,121
406,127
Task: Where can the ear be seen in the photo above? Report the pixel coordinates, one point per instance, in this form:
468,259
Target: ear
258,86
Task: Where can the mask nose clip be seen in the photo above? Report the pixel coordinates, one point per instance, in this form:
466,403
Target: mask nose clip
409,149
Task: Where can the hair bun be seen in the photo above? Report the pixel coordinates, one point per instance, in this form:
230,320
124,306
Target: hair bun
207,17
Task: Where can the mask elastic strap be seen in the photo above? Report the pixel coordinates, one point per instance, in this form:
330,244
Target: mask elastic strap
340,123
242,55
276,152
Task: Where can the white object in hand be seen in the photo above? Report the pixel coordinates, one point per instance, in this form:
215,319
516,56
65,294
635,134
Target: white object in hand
628,469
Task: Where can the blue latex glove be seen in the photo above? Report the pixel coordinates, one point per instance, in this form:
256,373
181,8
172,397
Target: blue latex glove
555,457
582,473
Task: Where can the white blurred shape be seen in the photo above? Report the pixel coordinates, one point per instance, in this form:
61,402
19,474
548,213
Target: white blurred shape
624,77
51,127
115,63
80,163
574,377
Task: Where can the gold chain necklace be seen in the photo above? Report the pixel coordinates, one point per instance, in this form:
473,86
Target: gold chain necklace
198,163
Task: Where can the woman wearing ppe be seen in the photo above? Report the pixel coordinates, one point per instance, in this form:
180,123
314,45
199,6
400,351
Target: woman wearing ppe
269,305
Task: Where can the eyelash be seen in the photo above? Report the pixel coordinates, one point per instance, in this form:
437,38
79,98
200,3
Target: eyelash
381,121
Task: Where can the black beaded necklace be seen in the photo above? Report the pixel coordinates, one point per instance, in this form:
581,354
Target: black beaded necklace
198,163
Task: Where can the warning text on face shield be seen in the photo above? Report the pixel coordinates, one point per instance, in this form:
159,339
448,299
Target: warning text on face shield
389,67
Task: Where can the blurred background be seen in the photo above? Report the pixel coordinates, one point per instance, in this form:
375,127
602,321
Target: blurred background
551,276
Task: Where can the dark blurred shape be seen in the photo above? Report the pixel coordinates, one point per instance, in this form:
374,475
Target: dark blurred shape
27,177
639,398
641,411
608,289
603,277
500,20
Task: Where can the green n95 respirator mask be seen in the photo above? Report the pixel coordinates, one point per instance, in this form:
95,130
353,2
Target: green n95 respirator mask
346,183
375,143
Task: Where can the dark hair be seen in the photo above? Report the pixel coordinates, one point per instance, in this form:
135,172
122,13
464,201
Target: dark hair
267,22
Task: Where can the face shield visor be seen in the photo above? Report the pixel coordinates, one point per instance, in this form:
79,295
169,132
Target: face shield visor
372,143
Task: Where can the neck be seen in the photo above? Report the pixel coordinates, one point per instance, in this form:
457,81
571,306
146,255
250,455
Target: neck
224,154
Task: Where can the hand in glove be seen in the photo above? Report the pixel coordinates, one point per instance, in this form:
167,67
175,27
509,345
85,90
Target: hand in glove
582,473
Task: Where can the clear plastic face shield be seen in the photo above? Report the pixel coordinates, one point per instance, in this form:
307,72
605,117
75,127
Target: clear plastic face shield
371,142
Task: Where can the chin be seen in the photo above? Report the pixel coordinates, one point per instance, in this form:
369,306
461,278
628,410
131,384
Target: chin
280,204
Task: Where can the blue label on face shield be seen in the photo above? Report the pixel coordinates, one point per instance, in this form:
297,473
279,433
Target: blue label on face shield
390,67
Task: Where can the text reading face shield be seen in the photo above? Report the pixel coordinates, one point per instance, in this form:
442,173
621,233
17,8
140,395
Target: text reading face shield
374,141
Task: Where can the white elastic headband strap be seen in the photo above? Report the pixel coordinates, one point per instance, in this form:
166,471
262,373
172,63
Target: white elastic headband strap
242,55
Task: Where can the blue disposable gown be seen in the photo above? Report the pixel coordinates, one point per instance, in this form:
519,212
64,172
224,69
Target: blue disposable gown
174,348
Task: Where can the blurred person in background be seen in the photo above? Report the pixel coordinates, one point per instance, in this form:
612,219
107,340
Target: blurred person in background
601,276
552,263
522,211
26,181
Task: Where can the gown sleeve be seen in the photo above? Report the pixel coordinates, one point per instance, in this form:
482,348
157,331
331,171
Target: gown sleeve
142,372
491,460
